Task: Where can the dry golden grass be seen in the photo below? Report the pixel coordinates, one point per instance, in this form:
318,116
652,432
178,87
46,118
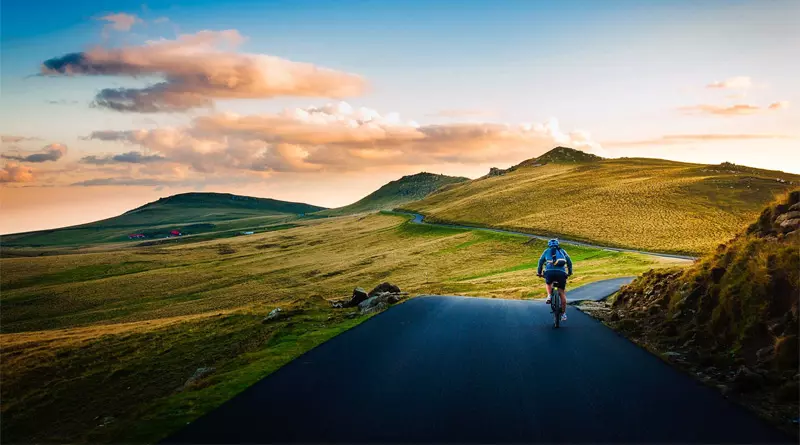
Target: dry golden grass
94,335
636,203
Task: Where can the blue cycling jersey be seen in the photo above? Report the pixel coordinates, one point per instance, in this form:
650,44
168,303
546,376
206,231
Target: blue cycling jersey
555,258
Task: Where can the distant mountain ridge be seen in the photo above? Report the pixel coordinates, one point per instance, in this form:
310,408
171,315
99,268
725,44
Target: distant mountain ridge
211,199
195,213
395,193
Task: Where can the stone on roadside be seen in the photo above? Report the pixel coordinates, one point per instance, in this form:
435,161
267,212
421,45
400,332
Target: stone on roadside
368,303
273,315
198,375
359,295
384,287
381,305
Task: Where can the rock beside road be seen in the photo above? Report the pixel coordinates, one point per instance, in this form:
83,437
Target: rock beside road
359,295
273,315
198,375
380,301
384,287
379,298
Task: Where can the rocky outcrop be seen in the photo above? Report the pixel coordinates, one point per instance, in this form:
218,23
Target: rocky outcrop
731,318
359,295
384,287
198,375
378,299
273,315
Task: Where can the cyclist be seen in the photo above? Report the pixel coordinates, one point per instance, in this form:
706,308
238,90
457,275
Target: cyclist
557,267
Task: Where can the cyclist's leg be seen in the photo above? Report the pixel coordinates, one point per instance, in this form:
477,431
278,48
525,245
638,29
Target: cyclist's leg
549,288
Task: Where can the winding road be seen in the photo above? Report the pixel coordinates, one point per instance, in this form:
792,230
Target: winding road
420,219
476,370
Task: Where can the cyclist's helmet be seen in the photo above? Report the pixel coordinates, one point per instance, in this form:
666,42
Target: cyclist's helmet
552,243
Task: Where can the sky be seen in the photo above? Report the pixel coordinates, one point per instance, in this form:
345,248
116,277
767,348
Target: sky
107,105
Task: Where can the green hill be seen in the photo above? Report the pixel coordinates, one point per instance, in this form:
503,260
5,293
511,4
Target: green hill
396,193
188,213
648,204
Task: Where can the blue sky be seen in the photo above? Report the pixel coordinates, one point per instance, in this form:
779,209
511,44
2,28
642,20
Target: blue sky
627,72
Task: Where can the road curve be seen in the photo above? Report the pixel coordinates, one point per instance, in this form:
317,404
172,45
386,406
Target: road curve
420,219
459,369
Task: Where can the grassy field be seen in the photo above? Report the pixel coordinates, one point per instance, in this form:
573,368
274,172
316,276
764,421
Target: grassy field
96,345
644,204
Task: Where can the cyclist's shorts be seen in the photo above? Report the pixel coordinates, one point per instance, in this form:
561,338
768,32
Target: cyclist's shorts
556,277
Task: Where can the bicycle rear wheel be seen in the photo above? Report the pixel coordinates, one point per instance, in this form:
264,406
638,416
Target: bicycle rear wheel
555,305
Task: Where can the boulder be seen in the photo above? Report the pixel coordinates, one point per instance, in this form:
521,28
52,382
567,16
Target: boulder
393,298
359,295
384,287
198,375
273,315
368,303
790,225
381,305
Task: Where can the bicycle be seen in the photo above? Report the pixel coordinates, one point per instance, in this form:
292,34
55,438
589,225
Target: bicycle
555,304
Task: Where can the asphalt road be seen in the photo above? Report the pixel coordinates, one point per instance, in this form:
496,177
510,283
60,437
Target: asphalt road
459,369
420,219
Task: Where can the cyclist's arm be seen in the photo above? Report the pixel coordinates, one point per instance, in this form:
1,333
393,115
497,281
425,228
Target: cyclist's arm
569,263
541,263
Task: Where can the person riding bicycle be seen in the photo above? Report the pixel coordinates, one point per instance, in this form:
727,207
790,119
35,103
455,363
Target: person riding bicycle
557,267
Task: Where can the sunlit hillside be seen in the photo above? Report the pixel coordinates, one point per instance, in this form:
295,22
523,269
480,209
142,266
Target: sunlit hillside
646,204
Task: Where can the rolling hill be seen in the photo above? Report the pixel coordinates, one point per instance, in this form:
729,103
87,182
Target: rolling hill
404,190
188,213
648,204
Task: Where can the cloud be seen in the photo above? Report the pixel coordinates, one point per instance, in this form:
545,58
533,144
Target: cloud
197,69
338,137
62,102
119,181
733,110
14,172
780,105
131,157
674,139
736,83
11,139
120,21
51,152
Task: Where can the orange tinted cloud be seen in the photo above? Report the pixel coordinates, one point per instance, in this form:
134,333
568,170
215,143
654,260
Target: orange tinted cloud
738,83
15,172
780,105
198,69
733,110
12,139
338,137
